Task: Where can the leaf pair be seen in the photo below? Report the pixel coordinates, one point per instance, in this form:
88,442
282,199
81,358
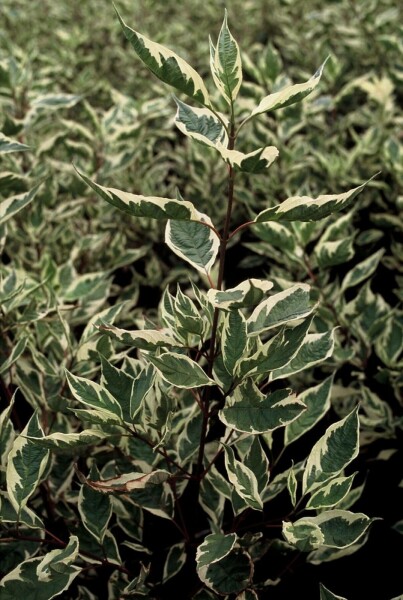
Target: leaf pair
226,68
206,125
170,68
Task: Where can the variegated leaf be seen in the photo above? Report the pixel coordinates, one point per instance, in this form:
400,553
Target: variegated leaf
108,315
211,500
238,504
233,339
42,578
277,352
7,434
389,344
143,384
252,455
315,348
219,483
256,459
194,242
120,385
277,235
127,482
243,479
352,497
362,270
94,507
179,370
201,124
292,485
25,516
230,575
331,493
136,547
156,499
55,101
111,548
166,430
368,312
11,180
26,464
279,483
331,253
326,594
333,452
338,228
138,586
304,534
58,561
304,208
166,65
253,162
338,529
326,554
189,321
289,305
175,560
250,411
145,206
97,417
225,63
247,293
317,402
68,442
221,375
45,103
288,95
11,288
206,309
11,206
8,145
82,286
144,339
167,310
92,394
129,517
16,352
155,410
188,434
214,547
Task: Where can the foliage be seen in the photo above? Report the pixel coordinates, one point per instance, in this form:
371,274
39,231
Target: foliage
139,393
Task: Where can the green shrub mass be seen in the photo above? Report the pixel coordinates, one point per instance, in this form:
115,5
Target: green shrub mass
200,299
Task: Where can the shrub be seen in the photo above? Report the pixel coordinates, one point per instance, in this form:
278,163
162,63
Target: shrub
183,466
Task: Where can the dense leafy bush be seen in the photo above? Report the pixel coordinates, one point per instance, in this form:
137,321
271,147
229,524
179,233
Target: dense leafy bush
159,430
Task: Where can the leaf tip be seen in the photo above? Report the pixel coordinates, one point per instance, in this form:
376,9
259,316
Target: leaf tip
319,71
121,21
79,173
